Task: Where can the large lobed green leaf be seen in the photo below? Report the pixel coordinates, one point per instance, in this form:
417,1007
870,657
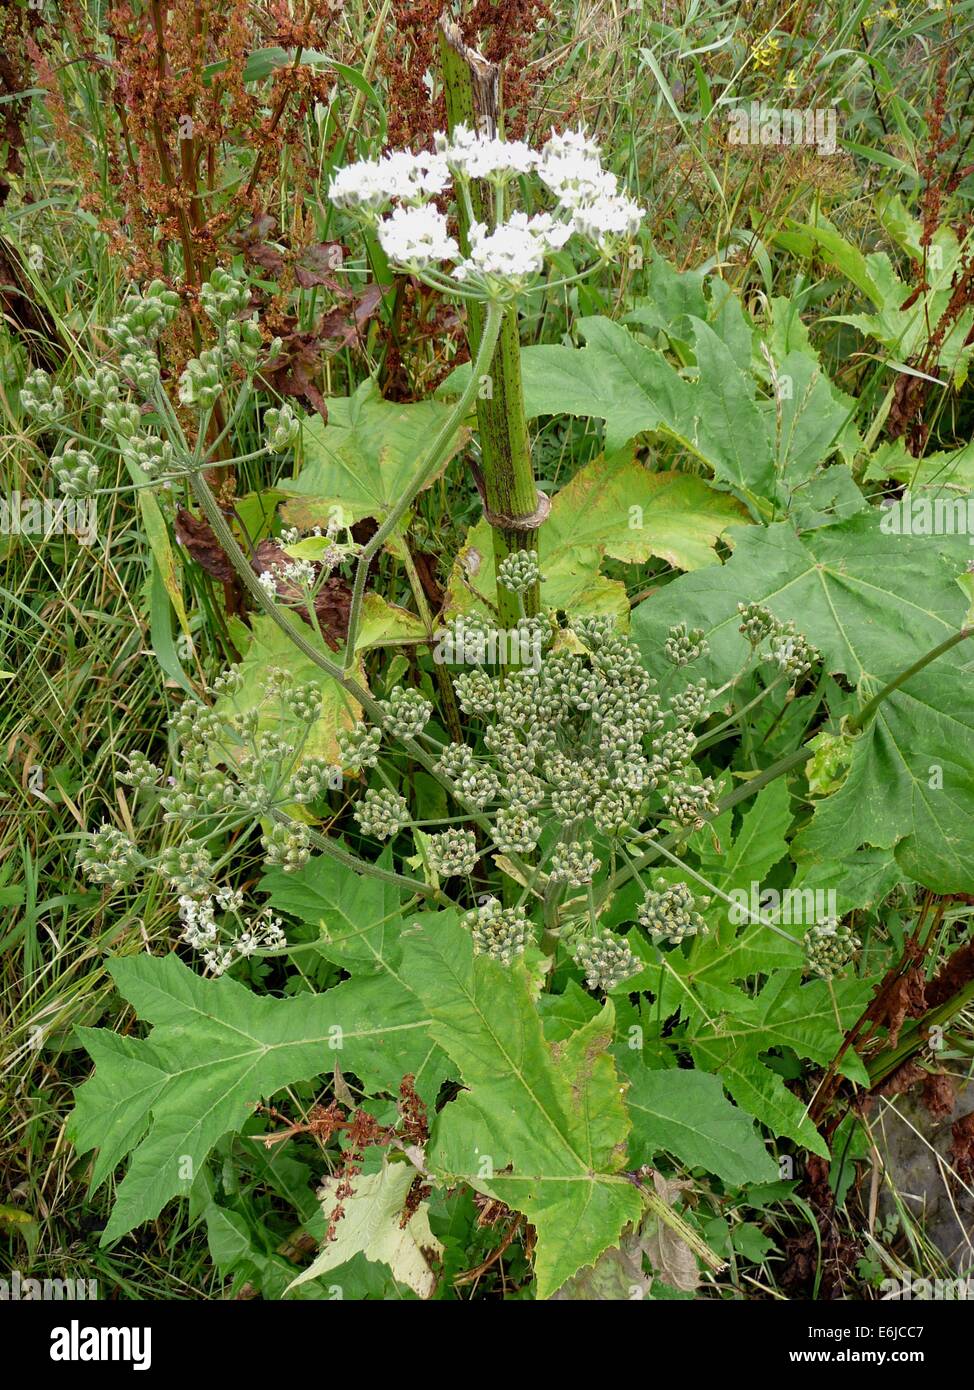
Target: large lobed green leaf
543,1126
613,508
215,1051
873,602
364,459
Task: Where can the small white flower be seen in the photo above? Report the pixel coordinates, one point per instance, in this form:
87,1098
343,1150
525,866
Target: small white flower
413,178
300,572
571,143
268,583
553,232
417,237
359,187
371,184
576,181
514,250
608,217
474,156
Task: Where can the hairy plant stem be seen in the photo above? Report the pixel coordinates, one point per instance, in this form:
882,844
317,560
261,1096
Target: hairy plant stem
859,721
339,674
427,473
472,89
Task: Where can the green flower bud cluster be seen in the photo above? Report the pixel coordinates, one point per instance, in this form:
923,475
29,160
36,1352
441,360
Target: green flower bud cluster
670,913
830,948
153,455
476,782
145,318
499,932
224,296
689,803
475,693
605,958
683,646
381,813
201,384
41,398
110,857
516,832
617,811
189,868
303,702
519,571
141,369
453,852
180,804
75,470
757,622
689,704
244,343
287,845
406,712
574,863
122,418
101,388
281,428
359,747
789,650
311,780
140,772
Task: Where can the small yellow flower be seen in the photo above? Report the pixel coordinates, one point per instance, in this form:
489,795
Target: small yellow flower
764,54
791,80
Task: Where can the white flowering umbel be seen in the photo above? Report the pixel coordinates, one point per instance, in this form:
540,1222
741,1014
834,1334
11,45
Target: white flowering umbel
394,195
214,927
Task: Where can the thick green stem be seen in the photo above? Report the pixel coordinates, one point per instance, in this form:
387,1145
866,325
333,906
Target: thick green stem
510,495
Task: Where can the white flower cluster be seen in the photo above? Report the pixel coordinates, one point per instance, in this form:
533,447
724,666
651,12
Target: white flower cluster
415,234
219,950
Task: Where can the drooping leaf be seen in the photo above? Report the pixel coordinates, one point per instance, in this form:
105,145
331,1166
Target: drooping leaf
616,508
542,1127
636,390
372,1225
269,648
364,459
685,1114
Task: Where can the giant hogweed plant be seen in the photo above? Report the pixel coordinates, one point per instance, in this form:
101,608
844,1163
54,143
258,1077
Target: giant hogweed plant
499,922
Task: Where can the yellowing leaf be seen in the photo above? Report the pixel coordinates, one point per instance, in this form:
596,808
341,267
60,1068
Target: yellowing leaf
372,1225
